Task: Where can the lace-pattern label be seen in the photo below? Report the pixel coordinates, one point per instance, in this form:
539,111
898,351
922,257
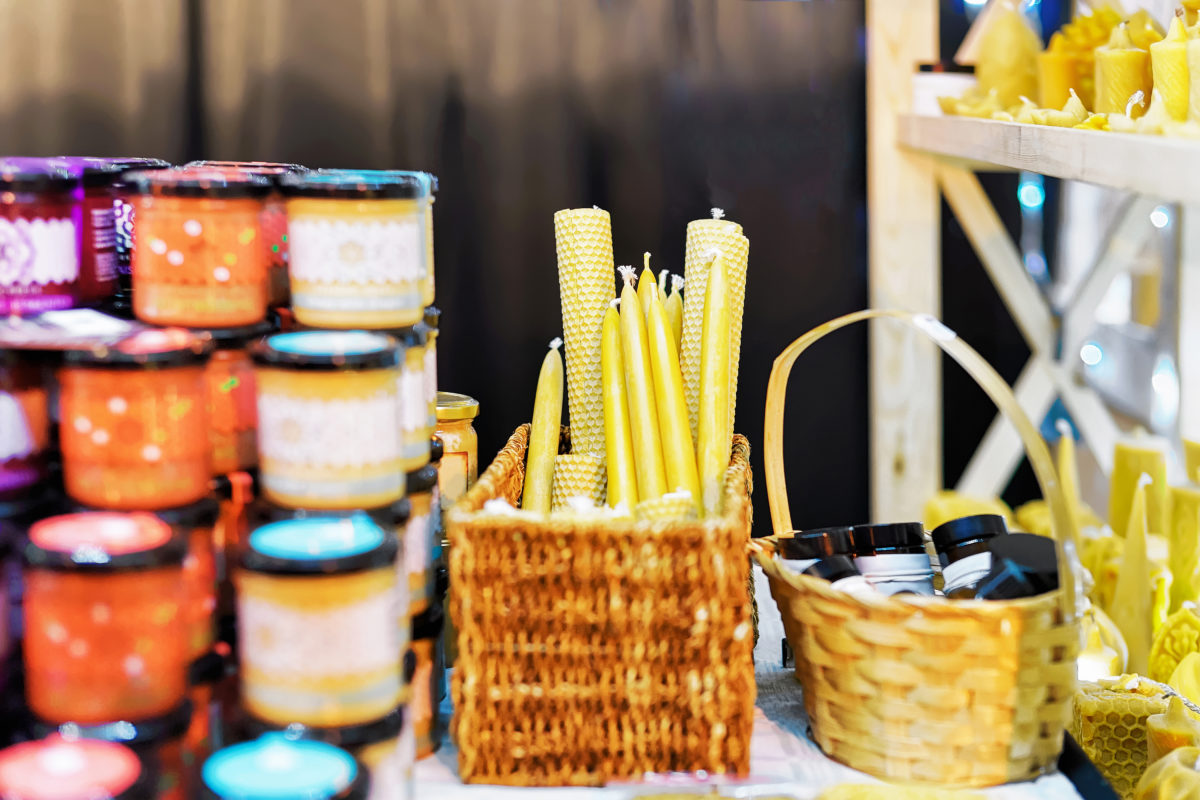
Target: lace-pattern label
368,253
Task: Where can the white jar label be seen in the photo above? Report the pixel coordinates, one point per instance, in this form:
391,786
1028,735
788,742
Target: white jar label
38,252
966,571
328,433
371,253
414,408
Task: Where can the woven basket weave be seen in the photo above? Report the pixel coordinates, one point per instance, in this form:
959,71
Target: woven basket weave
925,689
592,649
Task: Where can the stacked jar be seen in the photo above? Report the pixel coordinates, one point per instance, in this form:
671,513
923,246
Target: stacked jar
41,221
124,216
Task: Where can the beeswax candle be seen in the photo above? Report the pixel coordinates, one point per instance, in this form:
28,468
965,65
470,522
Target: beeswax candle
1193,65
1169,68
674,307
543,435
1008,52
1183,536
1131,605
1133,457
1058,70
618,438
1170,731
1122,70
714,433
639,386
1186,677
646,287
679,454
1173,640
577,475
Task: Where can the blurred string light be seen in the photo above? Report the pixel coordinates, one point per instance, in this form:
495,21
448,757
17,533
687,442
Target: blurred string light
1160,217
1164,406
1091,354
1031,193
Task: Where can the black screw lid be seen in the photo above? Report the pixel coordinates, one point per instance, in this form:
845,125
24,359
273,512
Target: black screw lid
135,733
816,543
833,569
974,528
437,449
422,480
888,537
1023,565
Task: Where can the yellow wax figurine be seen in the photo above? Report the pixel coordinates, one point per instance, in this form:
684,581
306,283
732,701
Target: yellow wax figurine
639,387
1122,70
1183,542
1008,54
674,308
679,454
1186,677
543,435
1131,458
1169,67
713,423
618,437
1170,731
646,286
1131,605
1174,641
1144,29
1072,113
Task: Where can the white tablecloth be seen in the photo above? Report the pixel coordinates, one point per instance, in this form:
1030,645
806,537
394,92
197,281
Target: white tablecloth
782,759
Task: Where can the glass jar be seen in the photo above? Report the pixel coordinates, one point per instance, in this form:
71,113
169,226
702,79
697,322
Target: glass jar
57,767
232,402
24,427
414,406
430,328
41,214
801,549
123,219
962,548
427,678
98,237
208,682
195,523
291,768
274,219
198,257
357,247
418,538
134,429
460,459
1023,565
842,574
892,557
104,594
428,285
317,630
328,434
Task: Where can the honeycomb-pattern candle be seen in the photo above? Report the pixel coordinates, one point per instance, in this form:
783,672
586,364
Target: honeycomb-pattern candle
57,767
671,506
317,612
134,426
276,766
328,427
24,426
583,239
705,237
232,402
358,249
104,596
1109,723
40,219
578,475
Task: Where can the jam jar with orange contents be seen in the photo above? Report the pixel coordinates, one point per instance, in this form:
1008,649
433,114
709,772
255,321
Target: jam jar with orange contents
195,523
232,410
123,220
57,767
134,423
274,219
104,596
40,218
198,257
24,426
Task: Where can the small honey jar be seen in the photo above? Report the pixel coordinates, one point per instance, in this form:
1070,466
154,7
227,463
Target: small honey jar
328,433
56,767
41,214
198,256
317,622
134,426
104,596
232,401
459,469
358,250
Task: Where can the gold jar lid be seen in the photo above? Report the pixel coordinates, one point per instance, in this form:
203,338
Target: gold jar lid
452,405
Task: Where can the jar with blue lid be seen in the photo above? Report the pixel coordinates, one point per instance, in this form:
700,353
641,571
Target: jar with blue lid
317,621
277,767
328,419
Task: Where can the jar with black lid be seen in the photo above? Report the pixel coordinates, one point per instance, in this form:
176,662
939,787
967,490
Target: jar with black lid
1023,565
892,557
841,574
962,548
801,549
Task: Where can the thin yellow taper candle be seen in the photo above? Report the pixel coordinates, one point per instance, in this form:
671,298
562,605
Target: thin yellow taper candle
1169,67
618,438
647,287
1132,457
674,308
639,386
1183,544
543,436
664,282
1122,70
1068,476
1131,603
712,447
679,453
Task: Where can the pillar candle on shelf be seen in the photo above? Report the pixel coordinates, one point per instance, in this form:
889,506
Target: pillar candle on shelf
639,386
1183,538
704,236
618,438
1058,70
583,239
679,453
543,434
1132,457
1122,70
1169,68
647,288
674,307
1131,603
712,446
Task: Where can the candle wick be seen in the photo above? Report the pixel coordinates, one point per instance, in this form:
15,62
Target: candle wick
677,282
718,213
1136,99
615,302
628,274
1064,427
556,343
1145,480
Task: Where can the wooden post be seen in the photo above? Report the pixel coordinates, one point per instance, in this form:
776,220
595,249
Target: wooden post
904,252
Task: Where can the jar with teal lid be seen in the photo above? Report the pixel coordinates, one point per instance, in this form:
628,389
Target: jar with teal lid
317,621
358,249
328,426
276,766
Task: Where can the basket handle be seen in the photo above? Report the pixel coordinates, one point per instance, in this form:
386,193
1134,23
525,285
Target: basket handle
987,378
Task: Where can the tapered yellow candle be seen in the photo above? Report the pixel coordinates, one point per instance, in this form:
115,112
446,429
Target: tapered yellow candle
1122,70
1169,67
1183,544
639,387
1131,603
664,282
646,286
618,438
714,435
1131,458
1068,477
679,454
674,308
543,437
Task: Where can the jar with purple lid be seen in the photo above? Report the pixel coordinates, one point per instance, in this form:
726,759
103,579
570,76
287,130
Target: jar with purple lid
40,220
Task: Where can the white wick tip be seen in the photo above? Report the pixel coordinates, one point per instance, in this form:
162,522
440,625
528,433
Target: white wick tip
1026,101
556,343
663,274
711,255
615,302
717,213
1145,480
677,282
1064,427
628,274
597,208
1136,99
1072,91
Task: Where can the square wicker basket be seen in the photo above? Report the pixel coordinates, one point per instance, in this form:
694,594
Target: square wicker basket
592,649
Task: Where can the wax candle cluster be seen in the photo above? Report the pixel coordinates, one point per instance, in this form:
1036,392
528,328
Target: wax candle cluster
651,376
